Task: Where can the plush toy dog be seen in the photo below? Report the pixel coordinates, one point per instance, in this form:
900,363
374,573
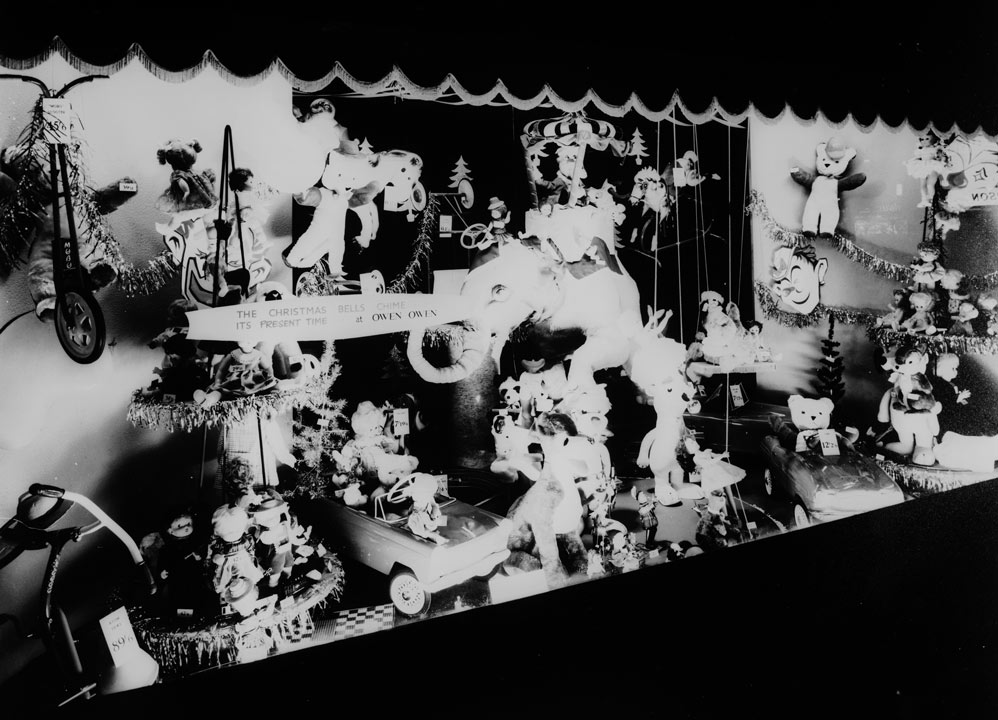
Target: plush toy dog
821,210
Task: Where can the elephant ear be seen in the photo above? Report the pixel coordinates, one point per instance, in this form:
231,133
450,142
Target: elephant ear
365,195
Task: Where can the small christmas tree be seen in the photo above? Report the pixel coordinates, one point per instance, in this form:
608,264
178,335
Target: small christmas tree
638,151
830,382
319,429
461,172
365,147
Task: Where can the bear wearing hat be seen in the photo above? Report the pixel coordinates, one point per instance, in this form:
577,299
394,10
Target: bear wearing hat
821,211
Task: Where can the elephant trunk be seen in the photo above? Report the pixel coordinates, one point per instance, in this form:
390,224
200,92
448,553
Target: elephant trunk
476,345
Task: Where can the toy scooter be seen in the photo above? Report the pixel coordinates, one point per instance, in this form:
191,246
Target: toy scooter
79,322
38,510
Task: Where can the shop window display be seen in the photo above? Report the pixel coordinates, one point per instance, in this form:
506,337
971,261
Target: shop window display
376,443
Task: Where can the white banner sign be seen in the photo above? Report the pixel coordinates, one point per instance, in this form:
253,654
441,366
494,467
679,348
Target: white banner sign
334,317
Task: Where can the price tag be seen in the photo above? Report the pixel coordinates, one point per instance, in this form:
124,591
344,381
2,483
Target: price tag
446,225
119,636
169,398
126,186
58,114
829,442
738,398
400,422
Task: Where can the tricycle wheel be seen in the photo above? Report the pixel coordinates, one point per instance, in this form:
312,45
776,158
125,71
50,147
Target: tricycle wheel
767,481
79,325
802,518
408,595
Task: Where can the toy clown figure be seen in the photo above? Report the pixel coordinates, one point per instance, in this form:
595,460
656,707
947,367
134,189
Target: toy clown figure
496,231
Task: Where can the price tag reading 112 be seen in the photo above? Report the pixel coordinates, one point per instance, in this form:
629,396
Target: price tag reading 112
58,116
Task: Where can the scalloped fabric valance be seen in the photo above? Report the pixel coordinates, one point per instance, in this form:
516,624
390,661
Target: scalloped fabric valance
662,64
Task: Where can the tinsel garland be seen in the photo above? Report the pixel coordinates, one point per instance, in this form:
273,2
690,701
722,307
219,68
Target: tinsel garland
408,279
884,268
959,344
921,480
20,216
770,307
178,650
189,416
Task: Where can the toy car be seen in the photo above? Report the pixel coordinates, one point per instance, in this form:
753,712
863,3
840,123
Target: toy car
825,487
475,544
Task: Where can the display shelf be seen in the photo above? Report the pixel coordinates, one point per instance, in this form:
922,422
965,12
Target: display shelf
917,480
961,344
188,416
183,648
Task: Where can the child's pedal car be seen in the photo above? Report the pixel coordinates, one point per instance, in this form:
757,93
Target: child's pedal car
824,487
474,544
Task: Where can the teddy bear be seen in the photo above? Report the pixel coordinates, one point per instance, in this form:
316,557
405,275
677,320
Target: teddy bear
809,415
188,190
911,408
821,209
509,396
952,282
921,320
963,318
588,406
540,385
39,229
377,452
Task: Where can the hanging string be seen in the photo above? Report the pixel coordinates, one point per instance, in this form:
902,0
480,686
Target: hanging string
679,251
741,239
204,455
699,222
658,216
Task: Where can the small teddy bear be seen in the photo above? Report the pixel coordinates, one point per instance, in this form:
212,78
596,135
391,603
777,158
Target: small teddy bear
921,320
962,319
246,370
188,190
821,210
989,305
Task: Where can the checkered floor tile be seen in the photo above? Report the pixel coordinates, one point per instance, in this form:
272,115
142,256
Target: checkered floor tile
356,621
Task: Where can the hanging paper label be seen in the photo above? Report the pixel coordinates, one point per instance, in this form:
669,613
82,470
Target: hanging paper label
400,422
446,225
738,396
128,186
829,442
119,636
58,116
333,317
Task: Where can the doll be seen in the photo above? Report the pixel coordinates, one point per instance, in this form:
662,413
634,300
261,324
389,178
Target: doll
232,548
926,268
646,516
897,309
188,190
921,320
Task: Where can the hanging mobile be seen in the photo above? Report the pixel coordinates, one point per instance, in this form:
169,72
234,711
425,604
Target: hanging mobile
79,322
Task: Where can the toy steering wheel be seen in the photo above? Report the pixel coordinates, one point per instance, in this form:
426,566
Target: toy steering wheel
398,491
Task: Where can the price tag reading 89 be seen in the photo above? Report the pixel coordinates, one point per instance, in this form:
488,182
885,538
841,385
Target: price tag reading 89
119,636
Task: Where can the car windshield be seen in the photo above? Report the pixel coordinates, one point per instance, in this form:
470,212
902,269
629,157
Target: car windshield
397,512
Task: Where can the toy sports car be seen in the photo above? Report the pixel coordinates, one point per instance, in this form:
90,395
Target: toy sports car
467,542
825,487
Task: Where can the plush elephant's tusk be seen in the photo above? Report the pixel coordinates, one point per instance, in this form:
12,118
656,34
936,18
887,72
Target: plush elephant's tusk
476,344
